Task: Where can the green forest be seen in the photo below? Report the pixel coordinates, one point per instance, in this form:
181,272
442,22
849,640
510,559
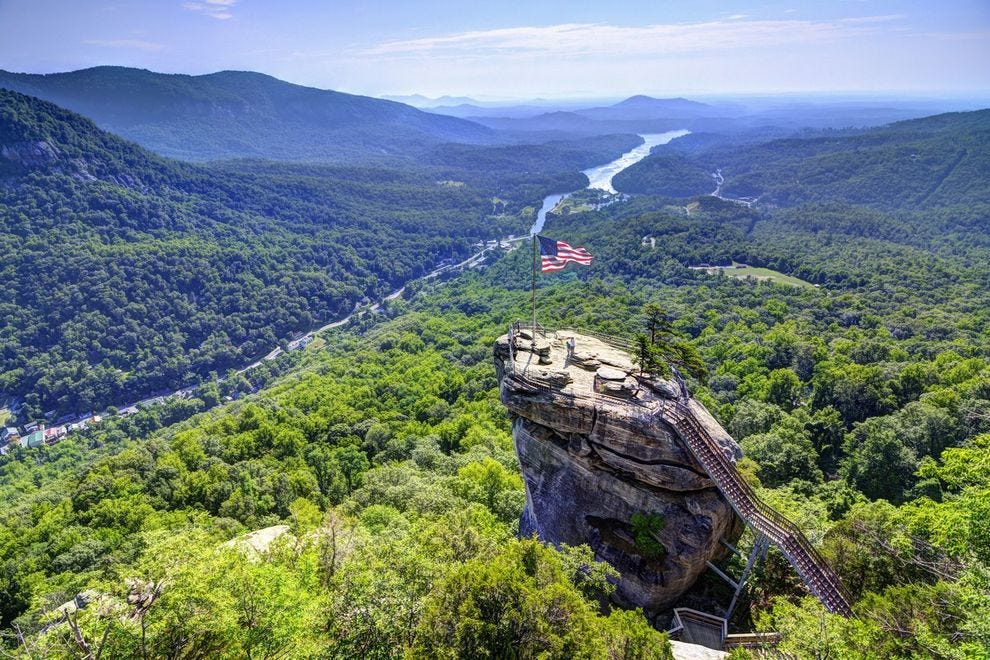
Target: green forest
920,164
126,274
380,461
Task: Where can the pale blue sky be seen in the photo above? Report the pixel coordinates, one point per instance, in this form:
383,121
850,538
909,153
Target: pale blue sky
519,49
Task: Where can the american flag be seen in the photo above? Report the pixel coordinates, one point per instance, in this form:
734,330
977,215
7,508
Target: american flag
554,255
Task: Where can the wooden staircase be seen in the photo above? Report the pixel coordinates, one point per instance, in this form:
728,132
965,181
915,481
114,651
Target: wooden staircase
817,575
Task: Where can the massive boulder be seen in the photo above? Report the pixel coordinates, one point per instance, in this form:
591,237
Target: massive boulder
602,468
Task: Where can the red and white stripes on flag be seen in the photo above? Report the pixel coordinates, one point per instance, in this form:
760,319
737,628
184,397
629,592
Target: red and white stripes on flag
555,255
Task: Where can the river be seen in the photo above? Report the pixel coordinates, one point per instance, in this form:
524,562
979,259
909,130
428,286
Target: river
600,177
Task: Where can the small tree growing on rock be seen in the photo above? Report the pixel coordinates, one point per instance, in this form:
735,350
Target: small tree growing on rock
661,347
646,529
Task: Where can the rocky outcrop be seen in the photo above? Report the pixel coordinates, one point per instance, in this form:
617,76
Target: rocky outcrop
30,155
257,543
684,651
601,468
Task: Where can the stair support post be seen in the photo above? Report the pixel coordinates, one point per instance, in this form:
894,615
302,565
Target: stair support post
756,555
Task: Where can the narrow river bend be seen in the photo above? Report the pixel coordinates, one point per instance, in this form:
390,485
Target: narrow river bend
601,177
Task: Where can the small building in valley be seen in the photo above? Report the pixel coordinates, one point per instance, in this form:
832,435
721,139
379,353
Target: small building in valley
34,439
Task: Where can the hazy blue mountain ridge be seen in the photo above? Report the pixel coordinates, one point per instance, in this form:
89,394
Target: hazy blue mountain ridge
233,114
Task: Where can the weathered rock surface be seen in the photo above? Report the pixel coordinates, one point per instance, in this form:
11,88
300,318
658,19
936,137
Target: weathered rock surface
32,155
594,454
684,651
258,542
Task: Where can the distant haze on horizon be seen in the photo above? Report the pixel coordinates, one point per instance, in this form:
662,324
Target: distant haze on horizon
520,50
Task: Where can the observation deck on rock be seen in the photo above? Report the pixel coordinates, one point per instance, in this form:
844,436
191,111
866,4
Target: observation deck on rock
599,442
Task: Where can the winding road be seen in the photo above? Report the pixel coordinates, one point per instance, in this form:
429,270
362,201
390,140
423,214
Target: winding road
719,180
599,177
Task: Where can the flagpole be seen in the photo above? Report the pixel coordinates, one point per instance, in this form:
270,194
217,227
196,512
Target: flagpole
535,239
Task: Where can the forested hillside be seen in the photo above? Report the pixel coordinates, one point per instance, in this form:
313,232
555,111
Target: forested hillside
861,405
399,434
240,114
127,273
918,164
863,423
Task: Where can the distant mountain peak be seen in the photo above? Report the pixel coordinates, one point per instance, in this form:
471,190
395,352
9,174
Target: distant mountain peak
636,98
641,100
244,114
426,102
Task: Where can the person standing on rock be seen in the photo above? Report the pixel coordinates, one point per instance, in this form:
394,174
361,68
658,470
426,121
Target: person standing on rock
571,345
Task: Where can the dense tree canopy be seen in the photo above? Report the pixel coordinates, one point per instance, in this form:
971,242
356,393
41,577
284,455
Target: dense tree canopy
861,404
129,274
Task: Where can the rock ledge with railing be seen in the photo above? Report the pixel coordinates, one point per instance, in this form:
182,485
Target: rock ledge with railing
594,455
599,444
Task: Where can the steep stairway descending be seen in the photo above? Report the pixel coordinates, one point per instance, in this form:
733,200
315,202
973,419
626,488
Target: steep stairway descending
817,575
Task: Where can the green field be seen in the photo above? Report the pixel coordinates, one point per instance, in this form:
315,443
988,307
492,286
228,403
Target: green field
764,274
741,272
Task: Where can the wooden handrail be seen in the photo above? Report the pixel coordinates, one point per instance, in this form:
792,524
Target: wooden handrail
615,342
528,325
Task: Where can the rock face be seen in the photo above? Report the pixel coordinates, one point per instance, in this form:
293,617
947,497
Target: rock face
32,155
594,455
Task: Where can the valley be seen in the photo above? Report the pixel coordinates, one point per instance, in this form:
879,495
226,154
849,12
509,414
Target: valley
296,312
83,419
599,178
201,269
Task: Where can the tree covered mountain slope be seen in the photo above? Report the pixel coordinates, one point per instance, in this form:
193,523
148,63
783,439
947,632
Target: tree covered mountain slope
942,160
383,459
126,273
386,456
238,114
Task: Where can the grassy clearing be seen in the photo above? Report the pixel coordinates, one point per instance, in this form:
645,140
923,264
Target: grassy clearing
764,274
566,207
742,272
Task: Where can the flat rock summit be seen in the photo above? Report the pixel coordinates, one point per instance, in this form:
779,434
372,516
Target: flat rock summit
602,468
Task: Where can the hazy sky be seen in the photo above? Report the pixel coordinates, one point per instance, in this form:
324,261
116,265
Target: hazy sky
505,48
